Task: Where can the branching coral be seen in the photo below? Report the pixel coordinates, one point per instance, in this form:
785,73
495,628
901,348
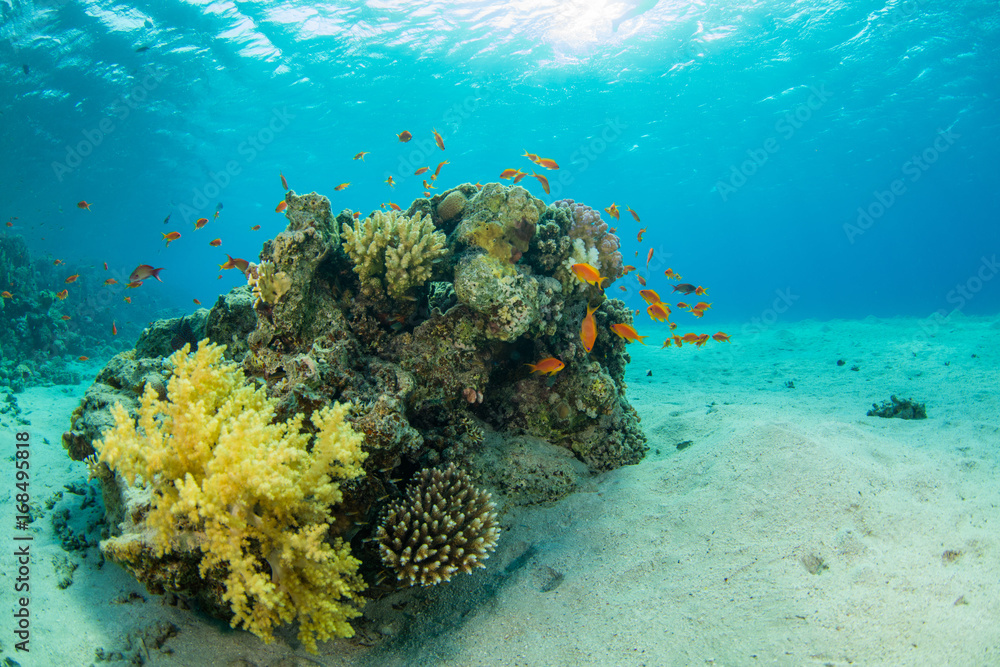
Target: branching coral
253,495
443,526
395,248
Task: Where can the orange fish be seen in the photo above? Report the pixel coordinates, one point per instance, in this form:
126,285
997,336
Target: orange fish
628,333
588,274
357,214
669,273
479,186
701,305
649,295
588,329
235,263
62,295
105,266
438,170
134,284
284,183
659,312
519,176
623,288
342,186
172,236
72,278
427,193
681,304
612,211
196,302
549,366
690,337
673,325
649,256
678,341
282,205
215,216
422,170
200,222
428,186
128,299
700,291
544,181
702,339
83,358
110,281
531,156
7,295
547,163
721,337
114,329
634,215
684,288
438,140
394,207
144,272
10,224
641,232
642,281
58,262
628,269
83,204
361,155
215,243
391,183
696,312
509,173
65,318
255,228
404,136
667,343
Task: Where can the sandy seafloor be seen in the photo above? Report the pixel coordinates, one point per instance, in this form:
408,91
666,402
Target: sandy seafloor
793,530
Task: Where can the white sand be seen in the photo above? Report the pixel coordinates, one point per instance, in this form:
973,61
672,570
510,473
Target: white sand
700,556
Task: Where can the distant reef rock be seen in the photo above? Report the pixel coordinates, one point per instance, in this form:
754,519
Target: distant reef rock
421,320
899,408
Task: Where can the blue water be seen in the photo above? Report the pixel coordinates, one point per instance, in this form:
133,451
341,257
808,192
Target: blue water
750,137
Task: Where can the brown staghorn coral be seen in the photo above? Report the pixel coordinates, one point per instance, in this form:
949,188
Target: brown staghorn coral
443,526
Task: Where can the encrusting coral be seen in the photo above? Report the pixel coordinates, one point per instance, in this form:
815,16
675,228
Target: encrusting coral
394,247
444,525
253,495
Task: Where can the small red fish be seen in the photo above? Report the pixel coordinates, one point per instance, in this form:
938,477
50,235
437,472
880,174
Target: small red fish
342,186
255,228
438,140
134,284
422,170
284,183
172,236
588,329
58,262
281,206
649,256
628,269
669,273
196,302
110,281
700,291
428,186
659,312
509,173
66,318
83,205
62,295
144,272
549,366
10,224
6,295
114,329
215,243
394,207
641,232
83,358
404,136
357,214
361,155
199,223
391,183
721,337
544,181
634,214
438,170
235,263
215,216
642,281
531,156
612,211
681,304
701,305
128,299
72,278
649,296
105,266
519,176
547,163
588,274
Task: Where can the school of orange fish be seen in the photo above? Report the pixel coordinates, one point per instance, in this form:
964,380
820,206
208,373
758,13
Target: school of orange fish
657,309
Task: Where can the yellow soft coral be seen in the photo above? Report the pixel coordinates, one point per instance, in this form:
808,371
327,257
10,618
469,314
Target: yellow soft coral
248,492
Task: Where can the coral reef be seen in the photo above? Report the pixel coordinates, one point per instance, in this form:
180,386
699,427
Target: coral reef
392,251
443,526
253,495
900,409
